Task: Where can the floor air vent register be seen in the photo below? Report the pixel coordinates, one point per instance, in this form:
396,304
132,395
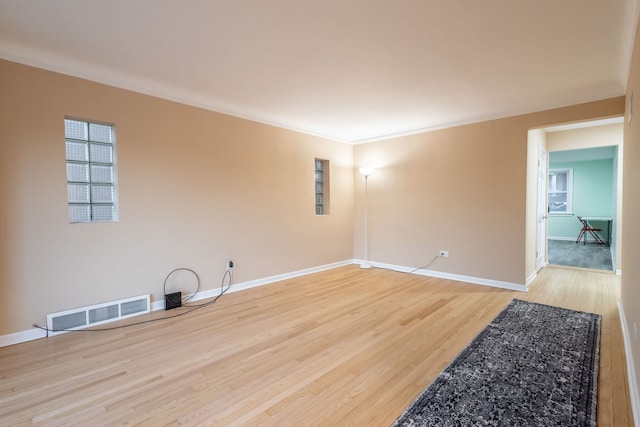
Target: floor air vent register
98,314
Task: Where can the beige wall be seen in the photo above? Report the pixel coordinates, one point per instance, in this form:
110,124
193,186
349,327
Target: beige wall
589,137
630,295
461,189
196,189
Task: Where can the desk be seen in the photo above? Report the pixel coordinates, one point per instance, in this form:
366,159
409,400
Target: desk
606,219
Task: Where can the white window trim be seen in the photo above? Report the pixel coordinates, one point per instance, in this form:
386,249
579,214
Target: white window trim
569,172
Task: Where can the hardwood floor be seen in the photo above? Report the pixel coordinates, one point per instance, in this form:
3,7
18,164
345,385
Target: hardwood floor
341,347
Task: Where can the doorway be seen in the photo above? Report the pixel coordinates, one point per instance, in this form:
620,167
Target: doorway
583,178
581,193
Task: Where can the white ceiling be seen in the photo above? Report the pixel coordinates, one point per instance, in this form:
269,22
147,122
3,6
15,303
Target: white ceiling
352,70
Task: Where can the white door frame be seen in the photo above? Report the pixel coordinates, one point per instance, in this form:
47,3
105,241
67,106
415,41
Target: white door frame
541,210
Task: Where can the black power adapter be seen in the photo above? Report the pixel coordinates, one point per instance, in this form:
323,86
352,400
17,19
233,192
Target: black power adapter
173,300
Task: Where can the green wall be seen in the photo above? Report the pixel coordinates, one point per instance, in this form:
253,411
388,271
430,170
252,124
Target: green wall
593,195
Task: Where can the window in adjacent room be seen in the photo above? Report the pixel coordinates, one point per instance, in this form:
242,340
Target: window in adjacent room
91,171
561,191
322,186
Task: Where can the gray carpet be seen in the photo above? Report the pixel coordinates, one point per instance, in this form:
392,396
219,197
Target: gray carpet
533,365
591,255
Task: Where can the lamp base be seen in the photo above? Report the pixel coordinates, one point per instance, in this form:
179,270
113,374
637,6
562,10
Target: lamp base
365,265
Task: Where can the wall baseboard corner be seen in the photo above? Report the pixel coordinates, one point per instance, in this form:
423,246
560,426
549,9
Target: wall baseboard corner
531,278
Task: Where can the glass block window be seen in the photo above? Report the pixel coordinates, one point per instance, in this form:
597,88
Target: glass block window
322,186
91,171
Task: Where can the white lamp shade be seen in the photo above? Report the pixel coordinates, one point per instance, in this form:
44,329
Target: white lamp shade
366,171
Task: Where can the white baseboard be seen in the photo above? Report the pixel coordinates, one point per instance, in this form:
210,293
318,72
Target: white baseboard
22,336
634,396
33,334
450,276
532,277
568,239
235,287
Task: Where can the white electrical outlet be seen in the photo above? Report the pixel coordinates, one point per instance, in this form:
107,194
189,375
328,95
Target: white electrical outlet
230,265
444,254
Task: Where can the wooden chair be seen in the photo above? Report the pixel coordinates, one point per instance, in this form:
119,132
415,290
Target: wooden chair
588,229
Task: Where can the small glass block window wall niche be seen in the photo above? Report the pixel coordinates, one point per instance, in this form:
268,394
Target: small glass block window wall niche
322,186
91,171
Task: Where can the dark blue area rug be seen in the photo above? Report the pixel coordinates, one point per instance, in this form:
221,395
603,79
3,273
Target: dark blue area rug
533,365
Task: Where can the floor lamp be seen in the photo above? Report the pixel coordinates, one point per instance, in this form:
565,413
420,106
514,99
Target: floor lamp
366,172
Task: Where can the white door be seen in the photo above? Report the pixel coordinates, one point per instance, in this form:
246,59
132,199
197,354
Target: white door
541,211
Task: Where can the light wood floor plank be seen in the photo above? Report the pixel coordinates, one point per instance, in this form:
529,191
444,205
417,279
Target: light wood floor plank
342,347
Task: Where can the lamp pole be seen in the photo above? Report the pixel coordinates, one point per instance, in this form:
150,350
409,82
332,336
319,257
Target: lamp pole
366,172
